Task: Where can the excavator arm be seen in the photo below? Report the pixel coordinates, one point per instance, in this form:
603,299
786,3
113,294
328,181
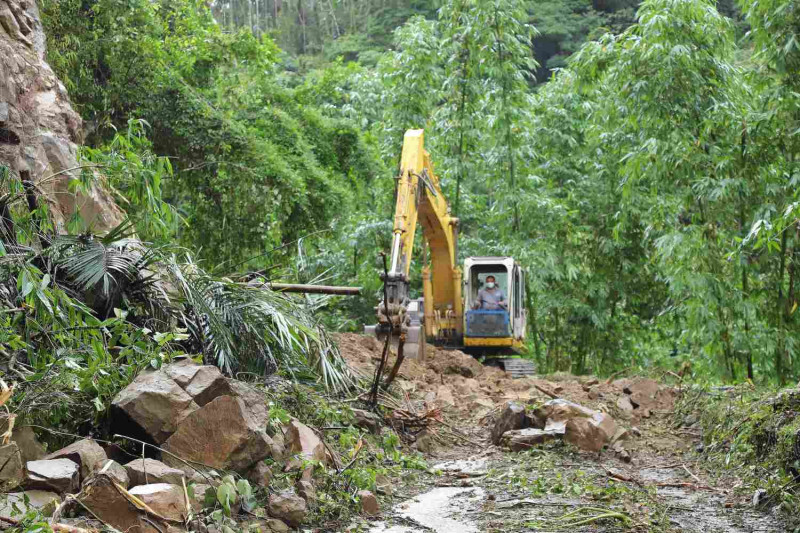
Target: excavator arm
420,201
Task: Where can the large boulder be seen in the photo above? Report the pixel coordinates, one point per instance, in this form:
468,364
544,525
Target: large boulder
150,471
156,404
511,417
253,398
202,382
222,434
39,130
644,393
590,434
57,475
166,500
86,453
524,439
11,470
289,507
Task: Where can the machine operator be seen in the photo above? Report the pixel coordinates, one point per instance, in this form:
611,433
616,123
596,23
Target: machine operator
490,297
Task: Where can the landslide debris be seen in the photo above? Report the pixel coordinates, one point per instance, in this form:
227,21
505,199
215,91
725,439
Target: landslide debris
585,412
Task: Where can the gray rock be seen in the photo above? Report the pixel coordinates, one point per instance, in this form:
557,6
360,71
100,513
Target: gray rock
306,491
57,475
30,449
524,439
117,472
86,453
760,498
260,475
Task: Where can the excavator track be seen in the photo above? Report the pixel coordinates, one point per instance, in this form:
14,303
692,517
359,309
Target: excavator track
518,368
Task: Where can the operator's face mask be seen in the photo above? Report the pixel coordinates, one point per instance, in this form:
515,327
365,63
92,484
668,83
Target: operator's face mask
490,284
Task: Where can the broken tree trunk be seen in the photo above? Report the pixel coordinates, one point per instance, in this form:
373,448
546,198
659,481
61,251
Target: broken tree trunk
315,289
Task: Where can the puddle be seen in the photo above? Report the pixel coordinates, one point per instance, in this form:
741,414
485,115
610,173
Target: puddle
442,510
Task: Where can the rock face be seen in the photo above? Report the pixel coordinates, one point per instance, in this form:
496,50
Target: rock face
165,499
222,434
511,417
39,130
57,475
156,404
146,471
289,507
86,453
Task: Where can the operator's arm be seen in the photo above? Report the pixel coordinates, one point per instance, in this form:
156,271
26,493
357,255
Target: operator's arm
501,299
479,302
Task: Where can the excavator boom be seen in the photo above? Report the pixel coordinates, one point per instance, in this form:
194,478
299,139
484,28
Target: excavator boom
420,200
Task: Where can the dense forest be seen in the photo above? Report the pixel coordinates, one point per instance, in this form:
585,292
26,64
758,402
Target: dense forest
639,160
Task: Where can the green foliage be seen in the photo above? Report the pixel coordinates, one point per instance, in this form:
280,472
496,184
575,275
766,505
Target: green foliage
752,435
136,175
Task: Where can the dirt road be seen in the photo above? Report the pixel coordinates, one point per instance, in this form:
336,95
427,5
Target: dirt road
657,483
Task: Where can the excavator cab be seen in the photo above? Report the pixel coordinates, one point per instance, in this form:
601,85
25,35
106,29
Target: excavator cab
498,330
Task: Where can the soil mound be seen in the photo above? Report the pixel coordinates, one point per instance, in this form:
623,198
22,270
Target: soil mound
461,386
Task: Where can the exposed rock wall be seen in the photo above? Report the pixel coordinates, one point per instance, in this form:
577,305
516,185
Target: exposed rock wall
39,130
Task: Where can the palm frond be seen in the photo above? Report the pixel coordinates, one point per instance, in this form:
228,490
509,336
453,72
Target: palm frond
246,326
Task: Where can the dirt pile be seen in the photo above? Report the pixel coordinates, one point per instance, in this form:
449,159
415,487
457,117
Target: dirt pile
471,394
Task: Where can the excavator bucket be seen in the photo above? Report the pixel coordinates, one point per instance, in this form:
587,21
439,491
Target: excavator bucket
413,348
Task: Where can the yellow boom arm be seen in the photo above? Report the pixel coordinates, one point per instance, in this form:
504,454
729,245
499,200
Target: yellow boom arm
420,200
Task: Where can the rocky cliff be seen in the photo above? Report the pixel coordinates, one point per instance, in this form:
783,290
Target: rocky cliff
39,130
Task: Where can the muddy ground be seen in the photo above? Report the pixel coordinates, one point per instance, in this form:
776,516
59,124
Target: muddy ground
658,483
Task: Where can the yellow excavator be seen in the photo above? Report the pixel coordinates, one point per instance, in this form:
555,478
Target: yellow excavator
449,313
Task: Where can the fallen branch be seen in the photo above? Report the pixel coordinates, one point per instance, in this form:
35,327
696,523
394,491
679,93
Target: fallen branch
621,477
